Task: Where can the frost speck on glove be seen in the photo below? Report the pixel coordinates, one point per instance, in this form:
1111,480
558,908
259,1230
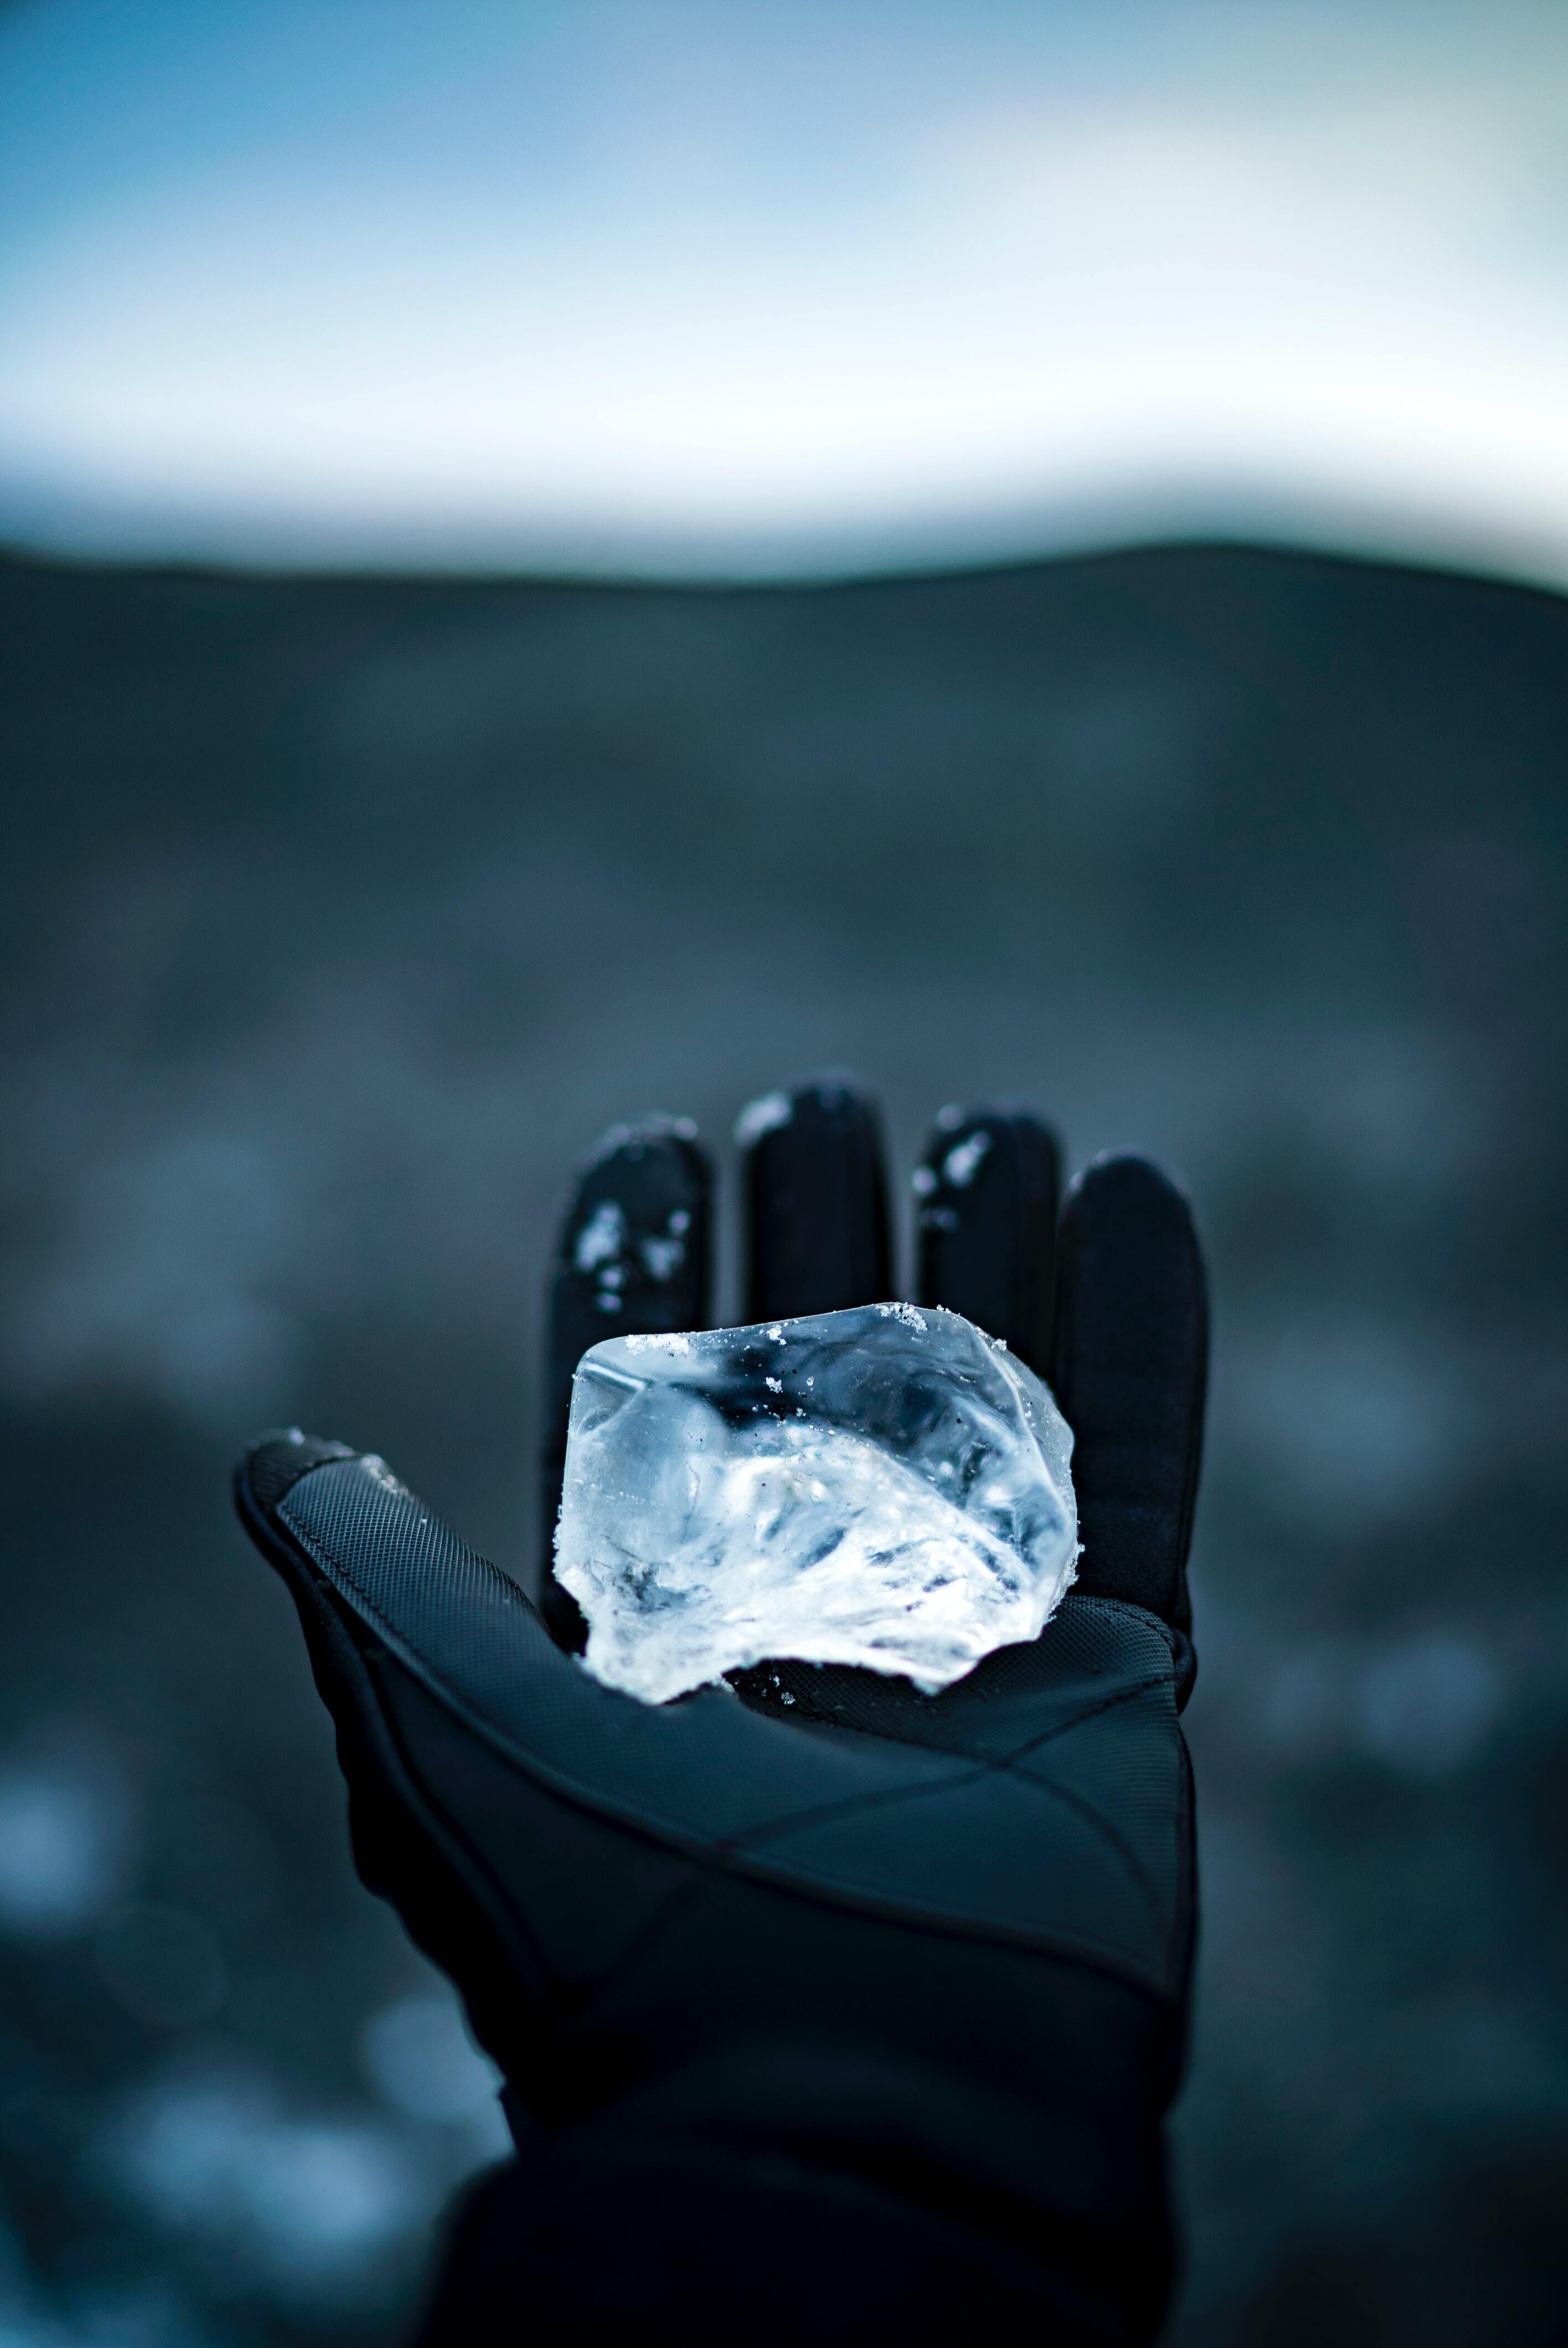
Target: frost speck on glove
886,1486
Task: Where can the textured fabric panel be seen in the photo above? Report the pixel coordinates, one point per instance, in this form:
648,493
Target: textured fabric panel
587,1889
703,1770
275,1463
1123,1765
948,1832
1093,1647
1007,1852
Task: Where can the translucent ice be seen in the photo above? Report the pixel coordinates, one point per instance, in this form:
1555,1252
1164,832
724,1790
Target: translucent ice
886,1486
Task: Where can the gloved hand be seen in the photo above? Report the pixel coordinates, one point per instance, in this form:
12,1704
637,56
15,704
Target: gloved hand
826,2010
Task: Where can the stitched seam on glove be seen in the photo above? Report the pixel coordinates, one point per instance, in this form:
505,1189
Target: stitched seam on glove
732,1852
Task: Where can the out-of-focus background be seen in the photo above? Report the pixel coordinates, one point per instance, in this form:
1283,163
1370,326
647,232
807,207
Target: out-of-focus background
565,561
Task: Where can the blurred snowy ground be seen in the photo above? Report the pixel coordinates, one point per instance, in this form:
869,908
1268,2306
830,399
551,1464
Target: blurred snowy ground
339,918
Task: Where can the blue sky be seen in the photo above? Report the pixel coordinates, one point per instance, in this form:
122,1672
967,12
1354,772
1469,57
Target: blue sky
740,288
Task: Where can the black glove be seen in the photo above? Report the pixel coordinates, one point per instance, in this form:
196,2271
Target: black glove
826,2010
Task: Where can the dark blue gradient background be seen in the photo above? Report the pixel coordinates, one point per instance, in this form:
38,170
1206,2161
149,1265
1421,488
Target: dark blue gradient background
338,917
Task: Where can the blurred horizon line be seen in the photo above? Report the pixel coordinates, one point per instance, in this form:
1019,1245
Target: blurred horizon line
1309,528
676,289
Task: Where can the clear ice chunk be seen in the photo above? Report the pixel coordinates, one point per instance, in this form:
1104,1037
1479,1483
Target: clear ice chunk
886,1486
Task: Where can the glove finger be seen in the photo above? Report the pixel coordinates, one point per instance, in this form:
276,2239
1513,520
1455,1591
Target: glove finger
633,1257
985,1193
815,1200
1131,1364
